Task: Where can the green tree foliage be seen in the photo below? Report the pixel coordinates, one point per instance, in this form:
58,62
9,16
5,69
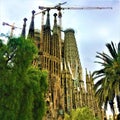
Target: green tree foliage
108,77
22,86
83,113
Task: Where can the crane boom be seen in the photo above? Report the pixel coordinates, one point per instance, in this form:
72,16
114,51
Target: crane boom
85,8
74,8
44,9
59,8
12,27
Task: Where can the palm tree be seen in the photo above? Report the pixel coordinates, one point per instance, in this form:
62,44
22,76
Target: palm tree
108,77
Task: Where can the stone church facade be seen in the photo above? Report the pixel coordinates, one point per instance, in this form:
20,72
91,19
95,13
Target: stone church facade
60,57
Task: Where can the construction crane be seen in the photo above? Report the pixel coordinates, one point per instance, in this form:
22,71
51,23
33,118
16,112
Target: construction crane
59,8
12,27
44,9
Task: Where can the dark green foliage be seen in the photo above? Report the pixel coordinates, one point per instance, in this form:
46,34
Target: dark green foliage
22,86
39,89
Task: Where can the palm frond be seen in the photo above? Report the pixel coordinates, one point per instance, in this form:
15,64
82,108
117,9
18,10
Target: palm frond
98,72
112,50
111,103
97,85
98,76
118,47
118,102
102,63
105,103
106,58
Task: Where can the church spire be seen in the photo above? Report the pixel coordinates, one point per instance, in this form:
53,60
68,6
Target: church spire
24,28
31,29
55,27
55,20
48,19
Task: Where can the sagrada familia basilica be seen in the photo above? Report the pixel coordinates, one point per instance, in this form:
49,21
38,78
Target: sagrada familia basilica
60,57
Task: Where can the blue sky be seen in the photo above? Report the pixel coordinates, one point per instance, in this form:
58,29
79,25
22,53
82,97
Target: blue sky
93,28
